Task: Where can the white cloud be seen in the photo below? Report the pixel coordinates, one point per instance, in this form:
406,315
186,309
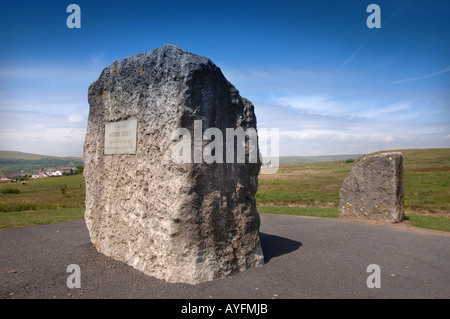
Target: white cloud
385,111
97,58
321,105
40,139
42,127
76,118
357,51
281,81
51,72
423,77
303,132
44,107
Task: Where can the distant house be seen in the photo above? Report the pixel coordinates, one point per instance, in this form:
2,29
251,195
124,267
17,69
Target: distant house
4,179
57,173
53,172
39,174
42,174
67,170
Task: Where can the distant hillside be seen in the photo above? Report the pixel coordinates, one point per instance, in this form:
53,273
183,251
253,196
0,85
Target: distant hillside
434,157
17,162
424,160
287,160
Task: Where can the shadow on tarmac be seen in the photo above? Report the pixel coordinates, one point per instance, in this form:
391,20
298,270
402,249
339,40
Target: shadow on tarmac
275,246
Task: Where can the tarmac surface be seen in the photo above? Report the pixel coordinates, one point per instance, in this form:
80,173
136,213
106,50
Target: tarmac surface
304,258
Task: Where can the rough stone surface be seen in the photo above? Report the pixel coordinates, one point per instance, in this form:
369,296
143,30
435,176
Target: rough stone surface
179,222
374,189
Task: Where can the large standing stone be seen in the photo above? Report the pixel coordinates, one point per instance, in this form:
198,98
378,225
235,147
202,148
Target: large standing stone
374,189
187,222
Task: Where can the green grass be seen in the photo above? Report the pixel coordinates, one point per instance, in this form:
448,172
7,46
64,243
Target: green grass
426,179
307,189
429,222
422,221
425,159
305,184
43,201
427,191
8,190
26,218
49,193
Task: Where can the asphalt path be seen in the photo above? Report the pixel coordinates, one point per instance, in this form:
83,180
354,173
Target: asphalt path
304,258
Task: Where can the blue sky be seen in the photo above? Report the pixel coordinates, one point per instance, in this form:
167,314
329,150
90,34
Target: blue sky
313,69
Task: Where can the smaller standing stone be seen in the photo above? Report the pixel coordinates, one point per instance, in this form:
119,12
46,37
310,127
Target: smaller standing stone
374,189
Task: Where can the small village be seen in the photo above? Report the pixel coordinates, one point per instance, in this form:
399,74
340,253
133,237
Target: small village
38,174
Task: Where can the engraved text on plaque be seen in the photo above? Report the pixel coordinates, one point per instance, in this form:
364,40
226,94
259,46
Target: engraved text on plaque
120,137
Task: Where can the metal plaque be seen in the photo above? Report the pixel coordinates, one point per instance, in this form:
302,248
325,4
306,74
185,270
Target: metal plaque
120,137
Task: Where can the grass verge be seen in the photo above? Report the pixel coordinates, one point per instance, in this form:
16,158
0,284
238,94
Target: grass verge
26,218
429,222
422,221
20,219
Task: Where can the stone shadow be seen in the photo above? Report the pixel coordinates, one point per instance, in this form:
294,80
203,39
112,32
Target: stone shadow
275,246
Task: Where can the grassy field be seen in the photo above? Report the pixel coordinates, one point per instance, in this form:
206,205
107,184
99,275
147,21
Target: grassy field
42,201
46,216
308,189
301,189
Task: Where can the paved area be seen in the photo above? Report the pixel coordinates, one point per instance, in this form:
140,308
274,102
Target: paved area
305,258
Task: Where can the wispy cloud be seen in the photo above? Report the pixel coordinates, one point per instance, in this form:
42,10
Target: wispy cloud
42,133
76,118
44,107
96,59
312,104
356,52
385,23
387,111
324,125
53,71
423,77
281,80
